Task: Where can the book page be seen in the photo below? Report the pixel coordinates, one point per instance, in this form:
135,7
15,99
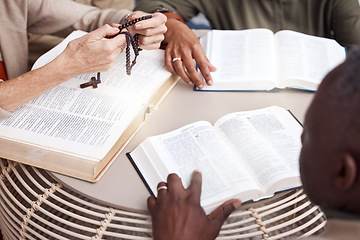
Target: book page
87,121
147,75
70,120
304,60
244,59
268,141
198,146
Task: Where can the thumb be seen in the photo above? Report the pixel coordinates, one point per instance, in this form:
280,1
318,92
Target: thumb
221,213
151,204
104,32
136,14
212,68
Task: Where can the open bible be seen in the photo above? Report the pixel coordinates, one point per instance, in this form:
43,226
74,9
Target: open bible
259,60
80,131
248,155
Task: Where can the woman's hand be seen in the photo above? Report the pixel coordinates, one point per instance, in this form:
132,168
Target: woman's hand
151,31
94,52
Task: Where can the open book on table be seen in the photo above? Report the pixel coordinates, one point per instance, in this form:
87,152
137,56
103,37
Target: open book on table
259,60
247,155
79,132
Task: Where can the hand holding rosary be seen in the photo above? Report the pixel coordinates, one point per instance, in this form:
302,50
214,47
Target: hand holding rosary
130,40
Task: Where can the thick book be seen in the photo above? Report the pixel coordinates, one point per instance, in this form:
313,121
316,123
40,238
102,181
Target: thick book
80,131
259,60
248,155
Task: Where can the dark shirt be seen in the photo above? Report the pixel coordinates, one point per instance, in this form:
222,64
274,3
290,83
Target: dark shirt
338,19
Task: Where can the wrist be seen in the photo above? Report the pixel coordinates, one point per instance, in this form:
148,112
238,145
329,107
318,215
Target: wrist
62,68
175,29
169,14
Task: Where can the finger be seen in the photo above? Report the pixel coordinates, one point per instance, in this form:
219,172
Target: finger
161,29
176,67
115,25
193,73
151,205
150,46
156,20
195,186
204,66
107,33
179,67
201,60
174,184
118,42
136,14
221,213
168,61
145,41
180,70
103,32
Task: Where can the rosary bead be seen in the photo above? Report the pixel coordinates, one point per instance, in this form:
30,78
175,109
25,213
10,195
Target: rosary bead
133,40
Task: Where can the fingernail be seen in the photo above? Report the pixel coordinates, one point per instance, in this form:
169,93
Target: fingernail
196,171
190,83
210,82
237,204
200,86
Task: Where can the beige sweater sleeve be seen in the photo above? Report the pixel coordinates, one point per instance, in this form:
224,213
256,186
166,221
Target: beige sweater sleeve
62,17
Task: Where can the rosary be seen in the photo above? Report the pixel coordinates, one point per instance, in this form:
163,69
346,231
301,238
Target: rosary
130,40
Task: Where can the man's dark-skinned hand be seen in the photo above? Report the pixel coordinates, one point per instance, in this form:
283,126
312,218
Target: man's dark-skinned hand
176,212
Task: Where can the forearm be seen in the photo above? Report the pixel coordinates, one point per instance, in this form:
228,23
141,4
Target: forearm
45,18
18,91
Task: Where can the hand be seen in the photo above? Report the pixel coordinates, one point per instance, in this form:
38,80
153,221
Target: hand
94,52
151,31
87,54
177,214
183,43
